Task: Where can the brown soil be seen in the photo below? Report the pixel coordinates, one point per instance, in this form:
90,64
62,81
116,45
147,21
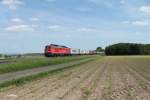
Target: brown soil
110,78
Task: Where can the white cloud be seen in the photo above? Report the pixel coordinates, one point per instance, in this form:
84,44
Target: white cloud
137,22
140,23
55,28
145,9
87,30
16,20
12,4
19,28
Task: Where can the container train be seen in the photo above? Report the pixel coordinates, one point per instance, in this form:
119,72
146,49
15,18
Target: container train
59,50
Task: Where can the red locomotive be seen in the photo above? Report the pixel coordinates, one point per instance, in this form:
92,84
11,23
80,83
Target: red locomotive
56,50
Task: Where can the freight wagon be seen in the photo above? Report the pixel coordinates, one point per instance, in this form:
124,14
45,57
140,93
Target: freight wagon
75,51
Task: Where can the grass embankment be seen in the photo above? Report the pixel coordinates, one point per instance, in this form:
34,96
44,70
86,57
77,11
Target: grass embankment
21,81
32,62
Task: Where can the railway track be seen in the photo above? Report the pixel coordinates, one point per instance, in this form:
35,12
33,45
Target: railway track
6,61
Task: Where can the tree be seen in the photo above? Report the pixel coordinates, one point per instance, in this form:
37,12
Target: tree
99,49
128,49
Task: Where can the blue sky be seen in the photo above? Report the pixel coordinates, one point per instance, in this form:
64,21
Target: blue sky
29,25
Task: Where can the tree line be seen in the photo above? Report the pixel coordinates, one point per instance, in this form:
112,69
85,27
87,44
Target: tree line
128,49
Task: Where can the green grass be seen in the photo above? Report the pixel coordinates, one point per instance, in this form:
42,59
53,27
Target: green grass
23,80
34,62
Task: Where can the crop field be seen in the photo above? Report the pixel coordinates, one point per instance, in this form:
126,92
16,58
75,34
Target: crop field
107,78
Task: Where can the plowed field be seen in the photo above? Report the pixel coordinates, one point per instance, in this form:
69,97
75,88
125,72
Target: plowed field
109,78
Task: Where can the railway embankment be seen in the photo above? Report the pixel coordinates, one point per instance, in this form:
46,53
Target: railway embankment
19,77
36,62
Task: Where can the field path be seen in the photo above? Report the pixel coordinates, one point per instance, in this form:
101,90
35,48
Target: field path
110,78
18,74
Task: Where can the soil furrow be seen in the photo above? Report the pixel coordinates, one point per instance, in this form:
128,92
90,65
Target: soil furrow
58,93
85,88
33,87
62,81
100,85
139,85
51,84
110,78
